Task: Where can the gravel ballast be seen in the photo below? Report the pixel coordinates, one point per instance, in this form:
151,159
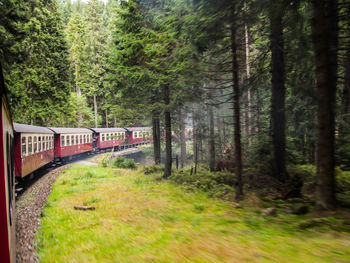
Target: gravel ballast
28,210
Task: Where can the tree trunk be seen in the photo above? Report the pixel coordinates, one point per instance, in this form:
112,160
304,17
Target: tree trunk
194,136
95,110
115,120
200,144
182,140
207,136
258,113
249,113
220,149
167,120
77,89
236,115
325,41
156,139
223,132
345,120
278,92
78,92
106,111
211,140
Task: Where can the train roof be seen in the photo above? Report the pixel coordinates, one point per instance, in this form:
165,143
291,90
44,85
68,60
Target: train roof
98,130
138,128
60,130
24,128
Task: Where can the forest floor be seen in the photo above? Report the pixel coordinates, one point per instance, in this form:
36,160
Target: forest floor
139,218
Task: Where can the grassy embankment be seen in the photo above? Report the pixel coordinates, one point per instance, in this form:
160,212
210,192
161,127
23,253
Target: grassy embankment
141,219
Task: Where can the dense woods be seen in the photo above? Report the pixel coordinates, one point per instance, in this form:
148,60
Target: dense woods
264,84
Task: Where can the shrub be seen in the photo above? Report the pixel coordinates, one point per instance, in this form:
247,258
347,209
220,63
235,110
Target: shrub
104,160
217,184
129,163
122,162
118,161
151,169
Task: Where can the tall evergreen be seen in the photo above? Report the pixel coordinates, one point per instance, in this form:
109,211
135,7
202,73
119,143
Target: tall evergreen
39,84
325,39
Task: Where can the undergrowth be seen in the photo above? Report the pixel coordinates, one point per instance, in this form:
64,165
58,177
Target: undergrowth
138,218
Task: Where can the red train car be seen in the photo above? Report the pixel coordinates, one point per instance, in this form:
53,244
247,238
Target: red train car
7,183
33,148
71,141
139,135
108,137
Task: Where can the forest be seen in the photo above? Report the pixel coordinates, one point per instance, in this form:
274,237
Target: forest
265,84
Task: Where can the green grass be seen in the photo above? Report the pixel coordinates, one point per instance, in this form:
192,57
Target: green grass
140,219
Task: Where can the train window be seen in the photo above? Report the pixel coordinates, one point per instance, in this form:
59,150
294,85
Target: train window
102,137
47,142
72,139
35,145
24,146
44,143
30,145
62,140
76,139
67,140
81,139
39,143
90,138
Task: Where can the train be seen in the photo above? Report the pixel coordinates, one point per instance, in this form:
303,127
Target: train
27,148
7,181
35,146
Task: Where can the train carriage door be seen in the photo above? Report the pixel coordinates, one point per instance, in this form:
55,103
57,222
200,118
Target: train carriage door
94,140
10,176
